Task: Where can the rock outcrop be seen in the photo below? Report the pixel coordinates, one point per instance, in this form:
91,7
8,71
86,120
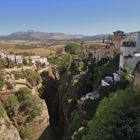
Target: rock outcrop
38,125
7,130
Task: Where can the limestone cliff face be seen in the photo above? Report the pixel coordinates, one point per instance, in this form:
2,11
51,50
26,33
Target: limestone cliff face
56,97
7,130
38,125
50,85
58,94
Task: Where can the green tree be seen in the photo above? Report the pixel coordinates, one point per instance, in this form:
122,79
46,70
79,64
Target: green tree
117,117
73,48
23,94
25,62
1,63
11,105
76,123
10,85
1,81
33,106
1,110
32,77
25,133
18,74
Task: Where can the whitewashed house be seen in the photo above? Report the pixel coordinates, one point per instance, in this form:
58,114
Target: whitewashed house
130,51
35,59
19,59
44,60
11,57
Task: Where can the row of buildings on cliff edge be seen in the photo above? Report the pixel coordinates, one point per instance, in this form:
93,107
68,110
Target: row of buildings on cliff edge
19,59
127,43
104,48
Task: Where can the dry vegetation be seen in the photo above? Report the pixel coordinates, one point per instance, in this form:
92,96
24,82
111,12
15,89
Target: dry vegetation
37,48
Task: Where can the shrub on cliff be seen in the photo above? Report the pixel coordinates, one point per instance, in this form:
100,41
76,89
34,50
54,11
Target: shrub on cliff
11,105
117,117
23,94
1,110
1,81
25,133
32,77
33,106
18,75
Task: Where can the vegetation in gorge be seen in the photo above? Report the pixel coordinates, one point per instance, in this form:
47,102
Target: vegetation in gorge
62,62
117,117
78,80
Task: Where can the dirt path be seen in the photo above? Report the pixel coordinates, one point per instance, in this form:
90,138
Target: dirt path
19,69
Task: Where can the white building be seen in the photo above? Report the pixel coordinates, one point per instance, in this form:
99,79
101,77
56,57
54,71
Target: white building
44,60
19,59
35,59
11,57
129,51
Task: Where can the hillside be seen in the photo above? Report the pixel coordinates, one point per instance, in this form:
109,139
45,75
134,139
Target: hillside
43,36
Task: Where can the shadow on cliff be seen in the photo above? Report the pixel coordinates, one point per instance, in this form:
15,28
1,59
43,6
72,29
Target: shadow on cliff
48,134
50,90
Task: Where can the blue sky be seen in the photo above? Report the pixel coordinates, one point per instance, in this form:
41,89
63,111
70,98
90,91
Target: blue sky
70,16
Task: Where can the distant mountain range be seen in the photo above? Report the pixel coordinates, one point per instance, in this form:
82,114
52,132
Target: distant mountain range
42,36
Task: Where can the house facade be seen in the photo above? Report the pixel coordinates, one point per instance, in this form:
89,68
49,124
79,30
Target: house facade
19,59
35,59
11,57
130,51
44,60
98,50
117,38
